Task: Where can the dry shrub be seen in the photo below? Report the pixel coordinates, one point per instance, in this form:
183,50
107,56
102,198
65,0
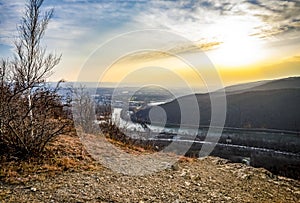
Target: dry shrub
66,153
27,104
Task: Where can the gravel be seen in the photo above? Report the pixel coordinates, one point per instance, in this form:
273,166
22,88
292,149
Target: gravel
207,180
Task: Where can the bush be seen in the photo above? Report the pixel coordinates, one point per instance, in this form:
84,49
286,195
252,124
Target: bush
27,106
26,131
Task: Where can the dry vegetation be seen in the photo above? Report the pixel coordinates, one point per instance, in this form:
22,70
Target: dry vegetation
66,153
41,163
68,174
31,112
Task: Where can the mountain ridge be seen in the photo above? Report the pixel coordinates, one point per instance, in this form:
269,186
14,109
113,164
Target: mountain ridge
268,105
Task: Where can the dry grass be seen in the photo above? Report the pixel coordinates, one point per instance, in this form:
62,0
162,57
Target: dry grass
184,159
66,153
130,148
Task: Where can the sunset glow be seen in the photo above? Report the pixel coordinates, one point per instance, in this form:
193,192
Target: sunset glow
244,40
238,51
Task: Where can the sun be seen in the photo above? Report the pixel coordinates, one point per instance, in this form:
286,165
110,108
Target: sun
238,52
238,48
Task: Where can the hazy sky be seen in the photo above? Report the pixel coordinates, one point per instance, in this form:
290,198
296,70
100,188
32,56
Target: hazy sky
245,40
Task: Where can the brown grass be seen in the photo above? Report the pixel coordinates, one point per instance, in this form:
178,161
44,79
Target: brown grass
130,148
66,153
187,159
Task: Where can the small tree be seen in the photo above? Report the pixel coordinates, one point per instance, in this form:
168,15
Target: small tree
27,105
84,109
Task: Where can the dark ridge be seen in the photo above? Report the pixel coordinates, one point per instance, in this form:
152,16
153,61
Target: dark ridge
273,105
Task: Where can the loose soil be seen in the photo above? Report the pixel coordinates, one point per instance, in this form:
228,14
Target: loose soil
69,174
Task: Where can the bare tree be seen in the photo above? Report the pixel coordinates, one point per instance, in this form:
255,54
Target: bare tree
84,109
31,63
27,104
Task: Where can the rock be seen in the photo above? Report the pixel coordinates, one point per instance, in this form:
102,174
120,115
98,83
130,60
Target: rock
195,181
175,167
33,189
183,173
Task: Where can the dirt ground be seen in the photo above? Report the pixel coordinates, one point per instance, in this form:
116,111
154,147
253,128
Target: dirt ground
75,177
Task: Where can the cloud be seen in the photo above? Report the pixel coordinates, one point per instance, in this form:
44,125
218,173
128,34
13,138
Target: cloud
280,17
76,19
194,19
296,58
10,14
167,52
78,26
73,20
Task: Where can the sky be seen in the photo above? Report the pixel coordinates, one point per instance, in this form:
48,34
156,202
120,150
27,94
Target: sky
242,40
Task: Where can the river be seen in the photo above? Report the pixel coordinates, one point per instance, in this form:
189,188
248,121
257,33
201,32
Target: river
275,151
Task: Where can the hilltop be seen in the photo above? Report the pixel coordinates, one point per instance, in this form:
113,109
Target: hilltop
270,104
190,180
